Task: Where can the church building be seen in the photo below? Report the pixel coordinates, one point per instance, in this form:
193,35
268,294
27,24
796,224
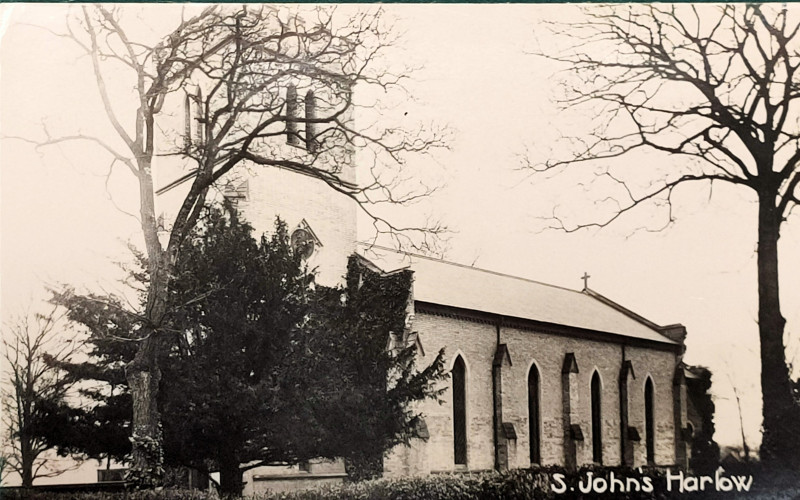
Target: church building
539,374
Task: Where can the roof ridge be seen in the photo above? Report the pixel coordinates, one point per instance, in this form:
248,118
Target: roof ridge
465,266
628,312
545,302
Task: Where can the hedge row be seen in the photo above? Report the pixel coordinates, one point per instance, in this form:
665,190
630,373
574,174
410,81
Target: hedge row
539,484
19,494
545,484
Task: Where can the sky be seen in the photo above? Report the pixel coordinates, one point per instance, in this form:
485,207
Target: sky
63,220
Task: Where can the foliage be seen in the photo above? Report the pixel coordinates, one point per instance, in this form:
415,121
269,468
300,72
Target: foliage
100,426
705,451
164,494
519,484
230,68
266,366
32,388
151,446
371,388
279,369
230,394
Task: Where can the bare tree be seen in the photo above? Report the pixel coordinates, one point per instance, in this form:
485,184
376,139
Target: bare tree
745,446
241,74
33,383
714,89
3,459
737,396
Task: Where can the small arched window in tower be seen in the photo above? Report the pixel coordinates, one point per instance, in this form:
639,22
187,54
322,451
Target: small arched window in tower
187,121
311,129
597,420
533,415
292,137
458,375
649,421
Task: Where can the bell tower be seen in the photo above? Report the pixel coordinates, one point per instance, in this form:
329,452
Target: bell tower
321,221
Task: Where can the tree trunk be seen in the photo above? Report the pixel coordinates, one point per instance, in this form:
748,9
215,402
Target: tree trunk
27,462
369,465
143,373
778,433
144,376
27,477
230,474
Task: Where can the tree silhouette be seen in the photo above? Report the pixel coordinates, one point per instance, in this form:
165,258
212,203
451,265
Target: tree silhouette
238,73
33,386
265,366
714,89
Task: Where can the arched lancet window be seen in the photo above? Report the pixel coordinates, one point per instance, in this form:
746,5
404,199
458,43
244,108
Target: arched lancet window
649,421
597,420
291,116
459,411
311,128
533,415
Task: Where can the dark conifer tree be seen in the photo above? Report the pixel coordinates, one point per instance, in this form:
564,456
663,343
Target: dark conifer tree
99,427
368,368
266,366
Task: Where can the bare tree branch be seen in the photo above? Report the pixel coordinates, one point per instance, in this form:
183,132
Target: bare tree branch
232,67
716,94
32,382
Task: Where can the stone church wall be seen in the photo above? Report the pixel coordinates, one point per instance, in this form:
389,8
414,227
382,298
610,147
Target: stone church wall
660,366
476,342
547,352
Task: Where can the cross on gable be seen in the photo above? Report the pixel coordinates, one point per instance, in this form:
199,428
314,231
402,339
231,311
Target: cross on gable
585,279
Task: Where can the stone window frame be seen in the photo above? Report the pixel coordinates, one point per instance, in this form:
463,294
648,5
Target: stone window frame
534,365
293,119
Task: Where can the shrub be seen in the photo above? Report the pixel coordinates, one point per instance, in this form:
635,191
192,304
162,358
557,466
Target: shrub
528,484
21,494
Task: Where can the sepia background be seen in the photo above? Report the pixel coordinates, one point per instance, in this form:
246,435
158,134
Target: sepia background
64,221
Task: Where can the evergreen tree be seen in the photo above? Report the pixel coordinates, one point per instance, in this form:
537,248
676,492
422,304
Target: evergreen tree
266,366
99,427
372,388
238,309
